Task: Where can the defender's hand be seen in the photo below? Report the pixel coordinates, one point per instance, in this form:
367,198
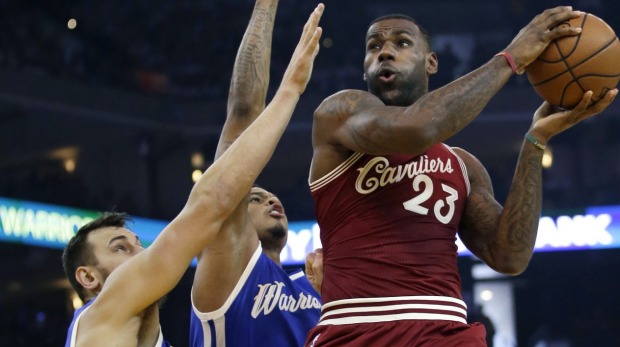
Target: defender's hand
299,69
314,268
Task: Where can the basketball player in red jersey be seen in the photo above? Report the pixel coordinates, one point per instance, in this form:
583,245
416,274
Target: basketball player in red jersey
390,195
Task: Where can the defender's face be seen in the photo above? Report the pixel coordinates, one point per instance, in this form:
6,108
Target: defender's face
397,63
112,247
267,214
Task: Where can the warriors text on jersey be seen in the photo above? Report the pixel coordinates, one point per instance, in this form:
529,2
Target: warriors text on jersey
268,307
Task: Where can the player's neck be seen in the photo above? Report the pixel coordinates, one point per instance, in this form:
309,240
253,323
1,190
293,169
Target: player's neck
273,254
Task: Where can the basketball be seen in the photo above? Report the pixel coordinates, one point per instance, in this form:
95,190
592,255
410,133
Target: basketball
572,65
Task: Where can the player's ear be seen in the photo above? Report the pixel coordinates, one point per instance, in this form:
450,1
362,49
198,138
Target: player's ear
432,63
87,278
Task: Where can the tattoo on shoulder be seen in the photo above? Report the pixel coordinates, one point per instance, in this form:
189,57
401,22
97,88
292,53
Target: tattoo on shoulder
344,104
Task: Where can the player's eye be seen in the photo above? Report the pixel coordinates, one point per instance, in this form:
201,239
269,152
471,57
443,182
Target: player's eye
373,47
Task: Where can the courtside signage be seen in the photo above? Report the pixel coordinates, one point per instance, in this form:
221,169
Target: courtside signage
597,228
52,226
40,224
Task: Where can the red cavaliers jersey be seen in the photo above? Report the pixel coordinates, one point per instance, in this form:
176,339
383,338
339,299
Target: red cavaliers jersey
388,224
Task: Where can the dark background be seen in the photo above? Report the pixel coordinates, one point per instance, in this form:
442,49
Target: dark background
139,86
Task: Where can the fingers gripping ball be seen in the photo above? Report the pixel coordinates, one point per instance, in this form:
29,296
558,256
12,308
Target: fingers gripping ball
572,65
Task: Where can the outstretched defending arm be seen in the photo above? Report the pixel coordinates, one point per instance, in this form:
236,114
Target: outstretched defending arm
250,76
221,263
149,275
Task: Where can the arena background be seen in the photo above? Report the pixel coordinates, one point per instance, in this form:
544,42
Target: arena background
109,114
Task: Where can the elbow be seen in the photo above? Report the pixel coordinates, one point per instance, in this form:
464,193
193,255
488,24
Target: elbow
510,270
423,139
211,204
510,266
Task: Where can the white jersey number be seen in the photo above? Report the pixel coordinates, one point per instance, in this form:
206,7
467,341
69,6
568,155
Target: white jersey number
425,192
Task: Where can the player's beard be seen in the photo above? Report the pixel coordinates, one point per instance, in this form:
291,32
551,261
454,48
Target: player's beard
278,231
104,272
409,87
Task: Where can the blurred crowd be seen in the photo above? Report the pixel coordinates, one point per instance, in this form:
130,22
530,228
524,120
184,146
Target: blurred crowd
186,48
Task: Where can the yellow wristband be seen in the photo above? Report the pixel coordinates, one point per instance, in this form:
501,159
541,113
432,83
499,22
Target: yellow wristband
534,141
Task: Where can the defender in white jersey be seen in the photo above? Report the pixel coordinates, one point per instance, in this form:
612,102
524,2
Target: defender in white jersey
241,296
73,328
126,280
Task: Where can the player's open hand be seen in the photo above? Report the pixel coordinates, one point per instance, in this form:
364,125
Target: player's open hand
549,121
532,40
299,68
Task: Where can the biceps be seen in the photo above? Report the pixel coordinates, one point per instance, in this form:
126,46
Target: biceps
380,131
361,133
355,120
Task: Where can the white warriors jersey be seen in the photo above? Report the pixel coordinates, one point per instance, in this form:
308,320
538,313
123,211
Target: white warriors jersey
72,333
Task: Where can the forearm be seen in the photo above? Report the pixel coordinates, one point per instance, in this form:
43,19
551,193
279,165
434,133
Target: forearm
433,118
250,77
518,225
449,109
232,175
228,180
471,93
216,194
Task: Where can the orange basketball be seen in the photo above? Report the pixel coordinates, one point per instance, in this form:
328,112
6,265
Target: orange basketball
572,65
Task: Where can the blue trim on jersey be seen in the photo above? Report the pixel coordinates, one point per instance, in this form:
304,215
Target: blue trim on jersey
268,307
76,314
212,327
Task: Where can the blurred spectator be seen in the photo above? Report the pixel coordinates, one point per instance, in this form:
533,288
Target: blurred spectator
448,63
478,316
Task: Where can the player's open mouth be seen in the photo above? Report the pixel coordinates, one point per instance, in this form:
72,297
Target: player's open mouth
276,211
387,76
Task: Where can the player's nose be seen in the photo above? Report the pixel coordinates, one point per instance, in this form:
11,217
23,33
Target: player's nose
387,52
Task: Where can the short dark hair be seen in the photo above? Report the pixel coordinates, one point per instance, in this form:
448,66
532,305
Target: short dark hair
78,251
408,18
